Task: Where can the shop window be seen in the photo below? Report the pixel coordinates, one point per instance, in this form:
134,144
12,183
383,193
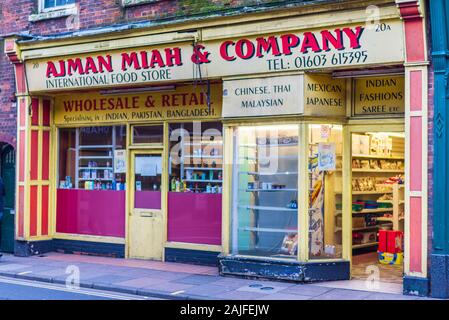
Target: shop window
55,4
148,134
265,191
195,182
147,177
92,173
325,191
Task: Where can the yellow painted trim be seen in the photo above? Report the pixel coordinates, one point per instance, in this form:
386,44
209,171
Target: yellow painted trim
90,238
347,196
228,155
193,246
303,193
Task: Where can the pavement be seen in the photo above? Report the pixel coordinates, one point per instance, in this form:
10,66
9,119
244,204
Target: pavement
167,280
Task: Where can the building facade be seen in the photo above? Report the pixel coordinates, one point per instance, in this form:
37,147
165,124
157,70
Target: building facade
283,140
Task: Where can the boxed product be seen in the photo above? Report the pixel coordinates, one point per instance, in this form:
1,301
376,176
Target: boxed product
358,222
390,258
391,241
369,237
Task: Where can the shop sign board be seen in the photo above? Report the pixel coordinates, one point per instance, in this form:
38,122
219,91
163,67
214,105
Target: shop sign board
324,96
270,96
332,47
379,96
186,102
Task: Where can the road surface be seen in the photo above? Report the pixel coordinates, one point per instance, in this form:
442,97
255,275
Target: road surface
17,289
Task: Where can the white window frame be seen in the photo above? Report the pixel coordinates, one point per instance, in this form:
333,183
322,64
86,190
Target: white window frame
56,8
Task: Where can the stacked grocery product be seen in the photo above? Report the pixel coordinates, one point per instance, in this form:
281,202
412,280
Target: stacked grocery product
391,244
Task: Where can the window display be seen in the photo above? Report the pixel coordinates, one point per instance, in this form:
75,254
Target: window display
91,197
86,158
265,191
195,183
325,191
196,153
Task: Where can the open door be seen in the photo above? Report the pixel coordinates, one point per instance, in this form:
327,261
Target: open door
146,221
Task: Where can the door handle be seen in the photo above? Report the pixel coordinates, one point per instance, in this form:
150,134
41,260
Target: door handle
147,214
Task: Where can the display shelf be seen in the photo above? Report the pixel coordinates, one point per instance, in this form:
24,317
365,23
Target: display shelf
96,147
385,157
253,173
288,157
95,168
202,156
271,190
338,229
203,169
96,179
275,230
377,170
95,157
266,208
275,145
205,181
371,192
368,211
387,219
364,245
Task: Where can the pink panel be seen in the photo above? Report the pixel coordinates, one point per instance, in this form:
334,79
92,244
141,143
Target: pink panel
46,113
45,200
34,154
415,91
147,200
45,154
416,153
23,112
414,40
33,211
415,234
194,218
20,78
21,209
35,112
91,212
22,146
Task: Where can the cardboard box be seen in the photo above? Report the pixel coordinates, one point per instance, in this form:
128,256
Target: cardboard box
358,222
369,237
391,241
390,258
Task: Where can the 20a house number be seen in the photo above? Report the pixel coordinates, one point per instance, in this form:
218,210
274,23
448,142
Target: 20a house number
382,27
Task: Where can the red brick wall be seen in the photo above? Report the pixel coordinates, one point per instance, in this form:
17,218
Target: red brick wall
92,13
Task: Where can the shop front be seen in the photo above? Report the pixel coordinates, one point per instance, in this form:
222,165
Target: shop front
280,153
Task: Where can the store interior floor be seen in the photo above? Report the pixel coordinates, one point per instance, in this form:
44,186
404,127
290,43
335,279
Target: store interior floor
388,273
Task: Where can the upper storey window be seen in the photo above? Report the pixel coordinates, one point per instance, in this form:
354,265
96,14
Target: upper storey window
55,4
54,9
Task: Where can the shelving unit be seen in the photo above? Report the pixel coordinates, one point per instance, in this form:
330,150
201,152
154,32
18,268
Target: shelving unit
371,169
200,166
94,163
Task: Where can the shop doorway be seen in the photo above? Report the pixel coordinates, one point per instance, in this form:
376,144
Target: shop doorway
377,191
146,218
8,173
